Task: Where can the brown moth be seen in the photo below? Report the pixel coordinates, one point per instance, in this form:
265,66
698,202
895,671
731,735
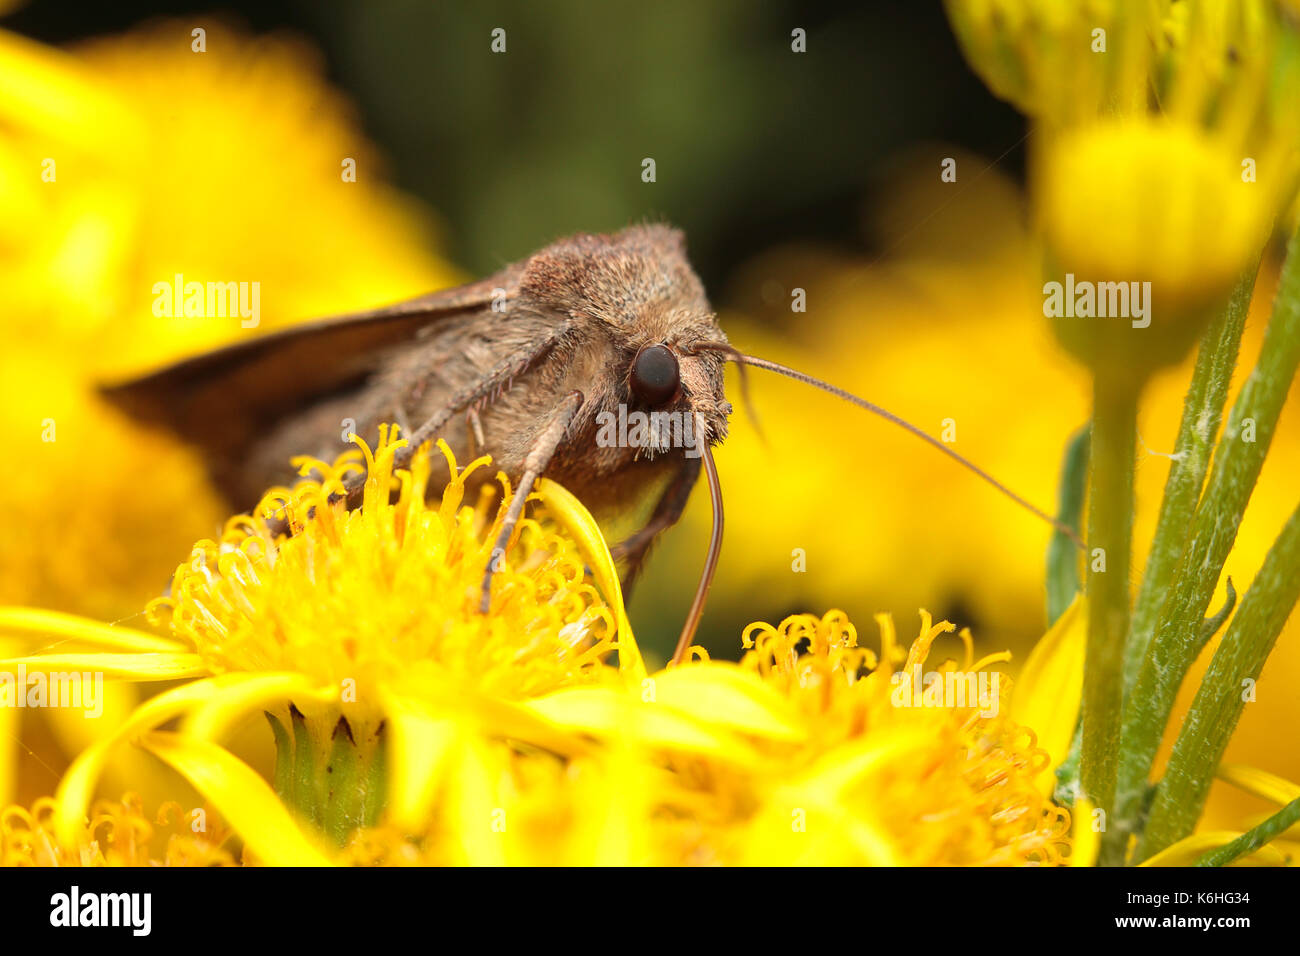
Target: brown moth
524,365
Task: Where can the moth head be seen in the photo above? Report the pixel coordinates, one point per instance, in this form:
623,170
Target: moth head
674,377
635,284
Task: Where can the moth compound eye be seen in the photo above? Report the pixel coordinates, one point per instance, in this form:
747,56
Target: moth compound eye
655,377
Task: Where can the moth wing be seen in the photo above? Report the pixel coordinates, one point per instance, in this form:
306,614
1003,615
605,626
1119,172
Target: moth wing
222,399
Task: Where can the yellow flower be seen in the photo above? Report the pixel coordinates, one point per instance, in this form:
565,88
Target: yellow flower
1160,208
1049,57
811,750
790,757
892,784
1181,194
361,631
1166,144
501,806
1067,61
825,754
391,585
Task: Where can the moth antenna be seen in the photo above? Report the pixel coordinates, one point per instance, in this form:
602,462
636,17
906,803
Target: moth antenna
710,561
807,379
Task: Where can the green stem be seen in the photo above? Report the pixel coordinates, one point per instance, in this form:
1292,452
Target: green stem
1110,531
1063,582
1237,461
1202,413
1219,701
1062,553
1252,840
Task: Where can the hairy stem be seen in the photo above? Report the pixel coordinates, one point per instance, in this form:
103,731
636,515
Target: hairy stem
1110,531
1202,413
1062,553
1220,700
1238,458
1252,840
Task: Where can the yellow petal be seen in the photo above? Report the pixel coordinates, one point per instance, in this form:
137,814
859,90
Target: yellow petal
721,694
839,769
475,804
39,623
1085,839
77,787
213,717
828,835
439,698
576,520
243,799
832,825
1260,782
504,718
420,743
1288,848
1046,697
614,827
129,770
609,713
137,667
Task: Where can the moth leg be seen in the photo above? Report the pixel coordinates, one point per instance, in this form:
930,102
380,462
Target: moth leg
475,424
499,378
668,509
539,456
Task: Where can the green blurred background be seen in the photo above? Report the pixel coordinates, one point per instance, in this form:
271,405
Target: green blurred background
755,145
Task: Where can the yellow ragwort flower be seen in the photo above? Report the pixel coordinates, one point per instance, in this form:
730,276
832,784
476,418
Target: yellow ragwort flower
361,628
393,586
1169,196
1166,144
814,755
893,784
793,756
1058,57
